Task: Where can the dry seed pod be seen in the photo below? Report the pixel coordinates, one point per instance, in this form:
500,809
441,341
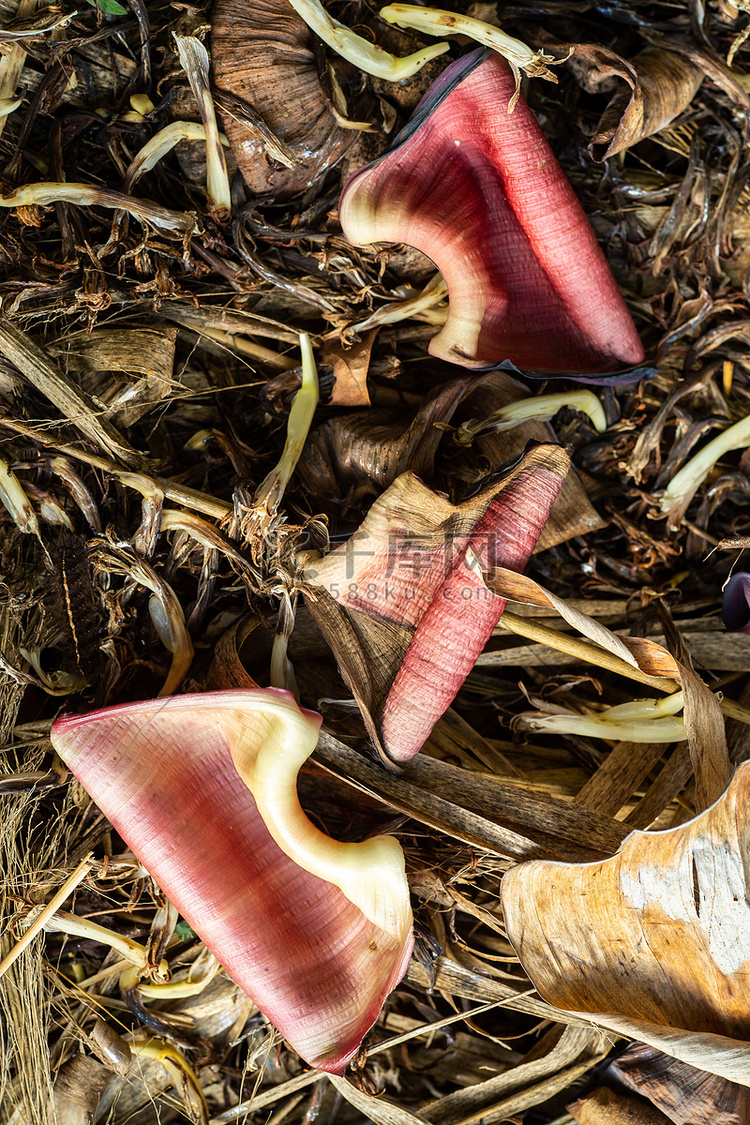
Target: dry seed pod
262,54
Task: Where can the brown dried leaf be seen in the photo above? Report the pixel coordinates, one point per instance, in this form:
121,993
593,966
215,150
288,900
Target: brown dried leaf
653,943
263,55
570,1051
125,370
350,367
605,1107
686,1095
376,446
658,86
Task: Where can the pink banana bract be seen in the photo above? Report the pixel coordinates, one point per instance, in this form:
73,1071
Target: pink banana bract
409,581
203,789
479,191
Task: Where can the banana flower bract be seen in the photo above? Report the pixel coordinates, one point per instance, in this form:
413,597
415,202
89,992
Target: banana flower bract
203,789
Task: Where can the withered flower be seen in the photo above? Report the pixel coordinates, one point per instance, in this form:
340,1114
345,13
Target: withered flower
203,789
478,189
403,603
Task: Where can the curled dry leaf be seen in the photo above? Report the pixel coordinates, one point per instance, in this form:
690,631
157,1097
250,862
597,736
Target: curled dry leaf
686,1095
375,446
480,192
403,603
203,789
262,54
653,943
655,88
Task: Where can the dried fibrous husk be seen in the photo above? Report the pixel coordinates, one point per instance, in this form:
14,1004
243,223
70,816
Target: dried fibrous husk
686,1095
32,361
404,606
656,86
653,943
126,370
262,54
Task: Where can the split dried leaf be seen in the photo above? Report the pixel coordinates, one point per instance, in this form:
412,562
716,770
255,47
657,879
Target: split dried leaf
655,87
653,943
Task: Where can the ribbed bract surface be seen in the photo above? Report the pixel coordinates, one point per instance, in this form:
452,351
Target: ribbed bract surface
163,775
480,192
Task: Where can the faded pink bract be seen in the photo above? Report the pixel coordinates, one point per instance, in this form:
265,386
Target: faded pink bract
479,191
459,620
408,586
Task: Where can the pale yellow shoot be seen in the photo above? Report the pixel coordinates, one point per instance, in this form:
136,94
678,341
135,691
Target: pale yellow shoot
352,47
195,63
66,923
541,408
272,489
371,873
435,21
161,144
686,482
15,500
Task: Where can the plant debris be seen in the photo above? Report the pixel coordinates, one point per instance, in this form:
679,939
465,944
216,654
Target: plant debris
212,404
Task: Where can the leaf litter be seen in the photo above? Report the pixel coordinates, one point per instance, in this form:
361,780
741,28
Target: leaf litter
149,357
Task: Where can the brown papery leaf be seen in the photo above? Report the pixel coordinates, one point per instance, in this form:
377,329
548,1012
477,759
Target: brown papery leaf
263,55
658,86
686,1095
350,367
605,1107
653,943
377,445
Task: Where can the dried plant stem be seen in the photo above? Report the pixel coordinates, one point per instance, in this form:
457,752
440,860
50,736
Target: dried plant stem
65,891
33,363
582,650
178,494
131,950
248,348
592,654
